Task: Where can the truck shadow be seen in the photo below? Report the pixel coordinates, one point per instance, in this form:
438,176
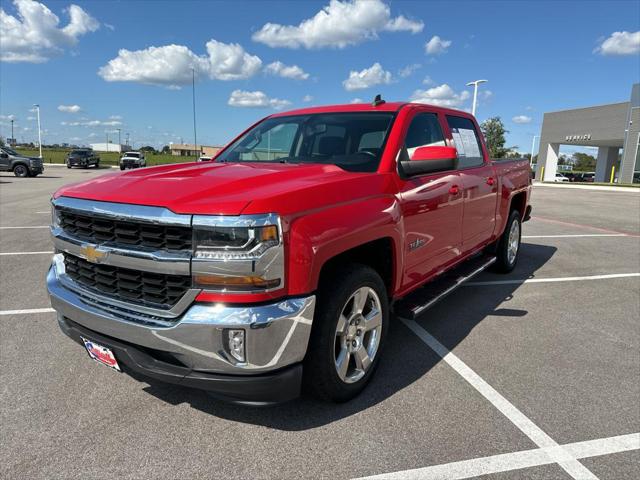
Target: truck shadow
405,360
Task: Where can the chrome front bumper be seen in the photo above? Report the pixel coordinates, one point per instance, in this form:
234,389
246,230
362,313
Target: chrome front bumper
276,335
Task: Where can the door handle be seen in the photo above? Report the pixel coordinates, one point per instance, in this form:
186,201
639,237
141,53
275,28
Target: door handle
490,181
454,190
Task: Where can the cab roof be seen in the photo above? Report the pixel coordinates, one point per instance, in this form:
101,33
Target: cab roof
362,107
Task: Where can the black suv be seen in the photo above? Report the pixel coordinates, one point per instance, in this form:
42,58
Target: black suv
84,157
21,166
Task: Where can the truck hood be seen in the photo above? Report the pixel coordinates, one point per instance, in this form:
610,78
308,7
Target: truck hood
230,188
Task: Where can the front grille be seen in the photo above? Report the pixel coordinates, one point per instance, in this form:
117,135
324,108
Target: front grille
100,229
145,288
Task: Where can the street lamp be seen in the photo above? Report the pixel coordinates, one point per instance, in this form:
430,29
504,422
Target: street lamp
39,134
12,137
119,142
533,144
193,89
475,84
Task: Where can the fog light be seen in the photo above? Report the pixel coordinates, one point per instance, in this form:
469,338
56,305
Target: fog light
236,344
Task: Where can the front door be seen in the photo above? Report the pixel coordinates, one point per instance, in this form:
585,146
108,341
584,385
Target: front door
431,207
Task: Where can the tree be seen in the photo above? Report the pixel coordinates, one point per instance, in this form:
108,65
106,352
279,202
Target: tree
166,149
148,148
584,162
494,132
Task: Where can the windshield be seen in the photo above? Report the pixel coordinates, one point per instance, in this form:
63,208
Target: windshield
132,154
352,141
10,151
80,152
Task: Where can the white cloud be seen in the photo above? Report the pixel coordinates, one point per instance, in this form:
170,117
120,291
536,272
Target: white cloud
620,43
356,100
428,80
34,35
442,95
108,26
31,119
437,46
243,98
7,117
408,70
69,108
171,65
521,119
279,69
92,123
229,61
307,98
115,117
369,77
337,25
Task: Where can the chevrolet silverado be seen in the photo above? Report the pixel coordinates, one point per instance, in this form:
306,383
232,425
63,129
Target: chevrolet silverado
277,266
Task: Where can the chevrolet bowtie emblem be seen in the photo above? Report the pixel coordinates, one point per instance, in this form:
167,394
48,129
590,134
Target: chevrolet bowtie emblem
93,254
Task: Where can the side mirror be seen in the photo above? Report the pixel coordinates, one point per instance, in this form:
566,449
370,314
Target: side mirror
428,160
4,155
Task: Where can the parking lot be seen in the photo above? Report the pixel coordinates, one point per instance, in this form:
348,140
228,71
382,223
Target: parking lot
531,375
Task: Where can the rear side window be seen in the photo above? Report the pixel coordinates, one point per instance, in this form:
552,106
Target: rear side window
424,131
467,142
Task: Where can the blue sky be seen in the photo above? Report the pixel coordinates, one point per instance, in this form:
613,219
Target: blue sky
538,56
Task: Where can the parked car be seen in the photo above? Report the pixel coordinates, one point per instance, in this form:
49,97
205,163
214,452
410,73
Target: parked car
83,157
21,166
204,158
588,177
132,160
560,178
246,275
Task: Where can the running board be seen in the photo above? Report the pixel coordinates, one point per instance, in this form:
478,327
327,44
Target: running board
425,297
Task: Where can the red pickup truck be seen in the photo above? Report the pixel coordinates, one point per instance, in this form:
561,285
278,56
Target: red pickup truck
277,265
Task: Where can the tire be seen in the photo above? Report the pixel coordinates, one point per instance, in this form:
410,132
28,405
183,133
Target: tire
68,165
506,250
329,349
21,170
121,167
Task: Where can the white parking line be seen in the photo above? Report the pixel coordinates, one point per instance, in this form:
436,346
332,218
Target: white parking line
556,453
22,312
19,228
577,236
514,461
48,252
551,280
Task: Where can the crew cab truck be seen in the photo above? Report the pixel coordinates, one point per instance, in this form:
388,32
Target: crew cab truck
21,166
276,265
132,160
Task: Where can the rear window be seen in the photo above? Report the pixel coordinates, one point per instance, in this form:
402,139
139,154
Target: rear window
466,141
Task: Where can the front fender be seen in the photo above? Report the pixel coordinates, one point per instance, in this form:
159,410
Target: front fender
318,237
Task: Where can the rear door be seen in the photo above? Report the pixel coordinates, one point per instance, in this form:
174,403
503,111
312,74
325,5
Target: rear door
480,187
431,206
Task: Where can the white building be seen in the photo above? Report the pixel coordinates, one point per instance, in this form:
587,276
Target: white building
109,147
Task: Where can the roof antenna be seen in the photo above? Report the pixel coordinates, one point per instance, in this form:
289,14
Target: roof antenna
378,100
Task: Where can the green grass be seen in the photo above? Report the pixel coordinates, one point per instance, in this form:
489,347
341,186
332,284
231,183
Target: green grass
51,155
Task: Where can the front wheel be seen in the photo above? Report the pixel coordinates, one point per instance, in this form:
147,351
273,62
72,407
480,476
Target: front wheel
508,246
21,171
349,328
121,167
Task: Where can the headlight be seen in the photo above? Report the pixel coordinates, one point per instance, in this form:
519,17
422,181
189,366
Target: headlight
238,254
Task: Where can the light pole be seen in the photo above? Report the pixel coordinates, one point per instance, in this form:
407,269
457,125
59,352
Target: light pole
193,85
12,138
533,145
39,134
127,139
107,134
119,141
475,84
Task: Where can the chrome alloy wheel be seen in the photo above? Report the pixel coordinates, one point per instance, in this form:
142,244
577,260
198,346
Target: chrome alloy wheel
358,334
513,242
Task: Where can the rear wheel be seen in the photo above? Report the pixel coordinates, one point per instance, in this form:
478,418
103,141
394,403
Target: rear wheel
350,325
21,170
508,246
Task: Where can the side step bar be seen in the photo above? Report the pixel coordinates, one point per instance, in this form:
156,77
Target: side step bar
425,297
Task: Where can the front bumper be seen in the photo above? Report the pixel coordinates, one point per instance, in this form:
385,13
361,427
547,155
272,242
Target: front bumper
276,335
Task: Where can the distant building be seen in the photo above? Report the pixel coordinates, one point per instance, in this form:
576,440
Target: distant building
191,150
109,147
608,127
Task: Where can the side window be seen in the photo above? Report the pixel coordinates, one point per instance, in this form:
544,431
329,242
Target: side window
467,142
424,131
